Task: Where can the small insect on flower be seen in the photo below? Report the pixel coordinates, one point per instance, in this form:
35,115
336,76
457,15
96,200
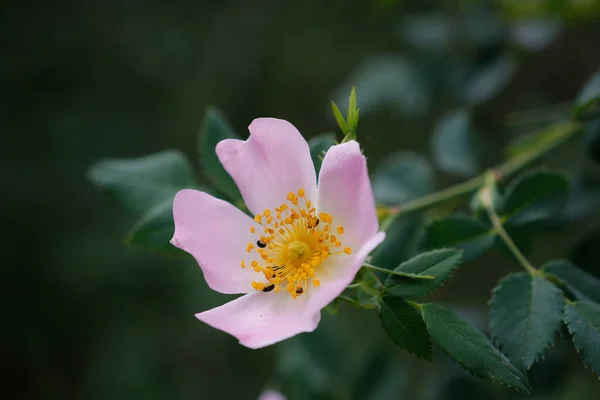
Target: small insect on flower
304,244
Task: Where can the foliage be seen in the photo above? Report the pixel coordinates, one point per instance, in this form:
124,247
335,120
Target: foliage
428,236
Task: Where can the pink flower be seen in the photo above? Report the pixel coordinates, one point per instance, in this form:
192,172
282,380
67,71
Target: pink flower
304,245
271,395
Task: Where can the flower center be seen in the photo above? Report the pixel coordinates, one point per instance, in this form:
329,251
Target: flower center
293,244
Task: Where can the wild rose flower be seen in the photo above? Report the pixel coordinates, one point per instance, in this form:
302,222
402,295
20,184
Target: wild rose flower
304,245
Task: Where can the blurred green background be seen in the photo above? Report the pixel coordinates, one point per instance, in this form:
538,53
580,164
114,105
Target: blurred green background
89,318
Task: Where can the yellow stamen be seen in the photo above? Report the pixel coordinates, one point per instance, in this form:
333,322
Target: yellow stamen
294,246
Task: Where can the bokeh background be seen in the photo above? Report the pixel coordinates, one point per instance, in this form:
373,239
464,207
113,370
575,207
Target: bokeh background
86,317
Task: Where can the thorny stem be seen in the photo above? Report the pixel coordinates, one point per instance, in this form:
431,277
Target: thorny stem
560,134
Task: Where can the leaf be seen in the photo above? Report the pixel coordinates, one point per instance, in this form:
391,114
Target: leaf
525,315
155,229
535,34
318,147
583,321
214,129
583,285
589,96
438,263
584,198
387,81
455,148
488,81
378,376
140,184
404,325
340,118
470,348
316,358
401,177
535,196
459,231
428,32
401,236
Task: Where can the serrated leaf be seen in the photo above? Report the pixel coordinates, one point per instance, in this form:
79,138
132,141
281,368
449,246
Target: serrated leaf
340,118
589,96
318,147
404,325
401,235
525,315
535,196
455,147
459,231
401,177
141,183
583,321
583,285
470,348
438,263
215,128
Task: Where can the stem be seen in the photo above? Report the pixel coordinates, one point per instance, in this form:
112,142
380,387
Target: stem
388,271
559,135
508,241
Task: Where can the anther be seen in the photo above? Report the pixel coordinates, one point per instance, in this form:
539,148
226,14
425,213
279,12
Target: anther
261,244
268,288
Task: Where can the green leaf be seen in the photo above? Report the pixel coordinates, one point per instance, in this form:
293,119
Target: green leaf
589,96
146,186
583,321
316,358
584,198
214,129
535,196
583,285
318,147
401,237
470,348
401,177
438,263
404,325
455,148
489,80
340,119
139,184
352,116
459,231
525,315
155,229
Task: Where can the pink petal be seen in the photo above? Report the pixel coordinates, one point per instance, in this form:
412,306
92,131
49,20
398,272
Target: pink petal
216,234
338,273
274,161
260,319
271,395
345,193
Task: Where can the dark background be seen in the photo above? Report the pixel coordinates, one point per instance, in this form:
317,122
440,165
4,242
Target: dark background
86,317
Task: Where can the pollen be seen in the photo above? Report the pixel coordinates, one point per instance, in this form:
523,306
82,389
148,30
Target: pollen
295,246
